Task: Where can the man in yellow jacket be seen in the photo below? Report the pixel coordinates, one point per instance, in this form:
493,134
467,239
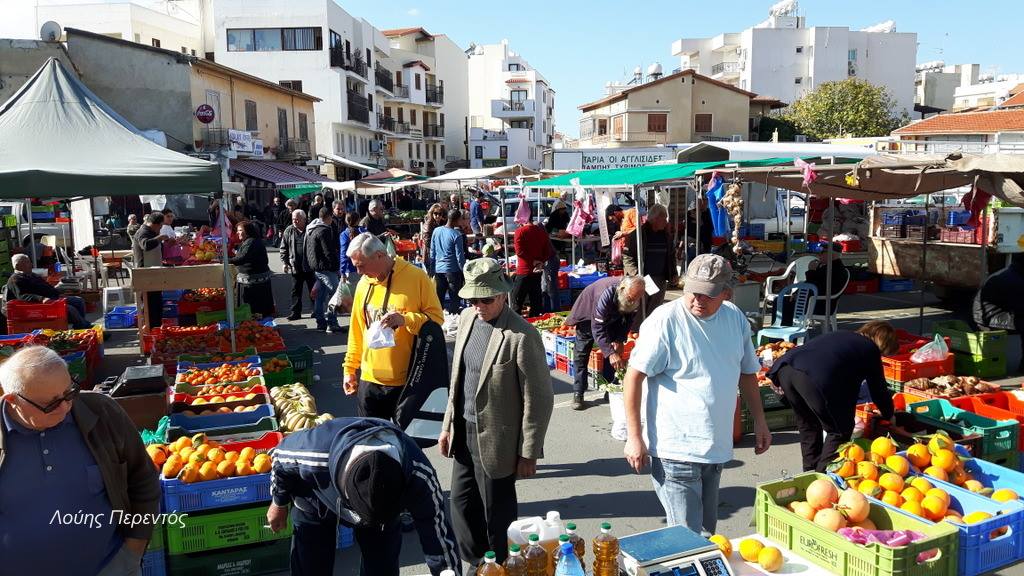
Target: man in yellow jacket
399,296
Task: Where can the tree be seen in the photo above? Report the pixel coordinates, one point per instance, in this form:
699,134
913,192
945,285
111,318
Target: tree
850,107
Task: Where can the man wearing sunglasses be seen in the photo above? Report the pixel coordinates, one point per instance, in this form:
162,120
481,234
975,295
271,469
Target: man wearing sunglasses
499,405
76,480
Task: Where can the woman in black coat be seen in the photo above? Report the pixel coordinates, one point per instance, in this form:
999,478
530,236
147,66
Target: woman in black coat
253,271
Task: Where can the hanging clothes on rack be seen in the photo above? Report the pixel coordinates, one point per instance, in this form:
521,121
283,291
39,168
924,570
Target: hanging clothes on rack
719,215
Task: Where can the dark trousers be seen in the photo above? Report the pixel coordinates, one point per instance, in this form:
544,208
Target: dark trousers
449,283
584,345
299,280
482,507
376,401
817,412
155,303
314,541
528,285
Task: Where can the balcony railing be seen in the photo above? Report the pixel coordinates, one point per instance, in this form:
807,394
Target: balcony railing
358,110
339,59
385,123
433,131
513,105
215,138
293,148
435,94
384,78
400,91
357,99
725,67
401,128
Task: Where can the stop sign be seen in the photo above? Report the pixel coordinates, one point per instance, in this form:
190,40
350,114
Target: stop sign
205,113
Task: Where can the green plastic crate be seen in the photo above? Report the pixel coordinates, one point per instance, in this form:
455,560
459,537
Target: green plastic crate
274,379
997,436
840,556
242,313
770,399
962,339
206,358
1009,459
252,560
894,386
991,366
779,419
302,364
202,532
10,221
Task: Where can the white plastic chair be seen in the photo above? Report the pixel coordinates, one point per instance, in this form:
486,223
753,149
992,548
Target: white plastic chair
797,269
821,319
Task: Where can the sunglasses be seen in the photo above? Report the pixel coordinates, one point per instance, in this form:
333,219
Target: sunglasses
484,301
68,396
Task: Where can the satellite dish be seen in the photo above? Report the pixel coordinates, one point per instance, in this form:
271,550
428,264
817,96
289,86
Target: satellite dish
50,32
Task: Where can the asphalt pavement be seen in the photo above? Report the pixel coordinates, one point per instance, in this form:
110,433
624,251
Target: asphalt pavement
583,475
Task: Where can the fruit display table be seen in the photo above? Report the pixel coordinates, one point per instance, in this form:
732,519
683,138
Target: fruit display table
792,563
177,278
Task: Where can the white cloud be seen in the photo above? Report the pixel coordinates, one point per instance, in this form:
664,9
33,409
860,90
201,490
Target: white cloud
413,11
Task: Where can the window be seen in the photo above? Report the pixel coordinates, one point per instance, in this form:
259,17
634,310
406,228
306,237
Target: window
338,140
655,123
401,115
412,117
852,55
602,127
702,122
798,80
369,64
799,49
398,78
442,151
241,40
518,124
193,53
302,38
478,152
282,125
293,84
410,149
418,151
418,87
503,152
268,39
251,123
369,102
517,96
515,67
335,39
138,38
442,119
184,50
303,127
155,42
276,39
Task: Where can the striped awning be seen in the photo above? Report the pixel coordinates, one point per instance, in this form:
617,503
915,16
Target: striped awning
278,174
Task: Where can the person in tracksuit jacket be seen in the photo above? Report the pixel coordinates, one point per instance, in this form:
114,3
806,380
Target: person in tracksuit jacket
361,472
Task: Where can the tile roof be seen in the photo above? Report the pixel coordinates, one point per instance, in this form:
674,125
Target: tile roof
688,72
1013,101
405,31
987,122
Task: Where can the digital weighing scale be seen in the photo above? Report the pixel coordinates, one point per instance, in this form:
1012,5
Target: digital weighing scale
672,551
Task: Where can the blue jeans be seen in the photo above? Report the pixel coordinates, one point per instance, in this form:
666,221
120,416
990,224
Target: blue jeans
688,492
328,286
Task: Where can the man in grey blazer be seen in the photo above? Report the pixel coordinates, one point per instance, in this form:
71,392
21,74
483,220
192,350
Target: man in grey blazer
498,412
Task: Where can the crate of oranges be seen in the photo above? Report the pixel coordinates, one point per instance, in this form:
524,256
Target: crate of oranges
277,370
198,473
206,405
927,482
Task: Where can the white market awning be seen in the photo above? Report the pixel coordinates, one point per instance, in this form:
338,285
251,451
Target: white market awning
473,174
346,162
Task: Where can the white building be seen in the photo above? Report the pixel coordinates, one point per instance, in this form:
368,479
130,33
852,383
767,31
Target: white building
987,91
511,109
784,59
935,84
383,94
161,24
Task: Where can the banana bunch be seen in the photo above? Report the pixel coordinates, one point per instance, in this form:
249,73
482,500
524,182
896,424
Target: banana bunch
296,409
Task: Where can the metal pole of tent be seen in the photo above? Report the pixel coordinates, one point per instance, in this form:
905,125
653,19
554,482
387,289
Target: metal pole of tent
229,292
698,212
639,247
789,223
828,272
686,227
31,233
504,237
924,262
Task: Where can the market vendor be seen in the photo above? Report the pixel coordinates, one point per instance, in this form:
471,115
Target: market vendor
822,379
998,305
360,472
603,314
26,286
147,253
659,256
374,221
818,275
253,271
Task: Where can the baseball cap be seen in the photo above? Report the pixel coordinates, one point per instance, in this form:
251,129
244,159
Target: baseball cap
708,274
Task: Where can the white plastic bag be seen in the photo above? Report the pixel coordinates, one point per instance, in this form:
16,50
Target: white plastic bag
934,351
342,299
380,336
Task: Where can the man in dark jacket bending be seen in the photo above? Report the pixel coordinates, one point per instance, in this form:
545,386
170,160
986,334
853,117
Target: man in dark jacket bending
361,472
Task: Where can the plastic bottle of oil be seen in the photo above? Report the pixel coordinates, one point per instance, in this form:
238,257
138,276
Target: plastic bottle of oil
515,564
490,567
606,552
537,561
578,543
563,539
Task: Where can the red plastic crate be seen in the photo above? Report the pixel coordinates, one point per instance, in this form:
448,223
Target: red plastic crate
899,368
189,308
862,286
981,408
851,245
909,342
562,363
563,280
22,326
56,310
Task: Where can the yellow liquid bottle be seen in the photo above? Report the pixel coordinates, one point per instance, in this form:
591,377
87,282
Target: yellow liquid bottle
578,543
537,560
490,567
606,552
515,564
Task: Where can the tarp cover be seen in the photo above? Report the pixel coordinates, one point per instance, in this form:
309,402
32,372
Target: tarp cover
58,140
641,175
470,175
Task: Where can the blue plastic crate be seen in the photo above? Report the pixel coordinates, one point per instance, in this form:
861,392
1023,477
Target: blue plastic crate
154,563
211,494
205,423
978,551
121,317
579,282
904,218
754,230
564,298
957,218
564,345
43,217
228,433
346,537
169,310
171,295
256,362
895,285
550,358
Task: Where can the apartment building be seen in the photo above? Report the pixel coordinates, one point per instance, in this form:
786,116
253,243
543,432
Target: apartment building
988,91
783,58
425,116
681,107
511,109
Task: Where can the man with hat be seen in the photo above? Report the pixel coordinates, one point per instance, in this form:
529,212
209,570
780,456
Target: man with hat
360,472
694,353
499,405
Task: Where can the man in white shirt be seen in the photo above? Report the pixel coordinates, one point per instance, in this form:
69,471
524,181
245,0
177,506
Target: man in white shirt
694,354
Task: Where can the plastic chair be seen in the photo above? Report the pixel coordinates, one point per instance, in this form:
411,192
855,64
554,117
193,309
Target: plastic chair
833,306
805,295
797,269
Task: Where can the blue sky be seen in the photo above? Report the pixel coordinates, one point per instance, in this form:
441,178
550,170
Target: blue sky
579,45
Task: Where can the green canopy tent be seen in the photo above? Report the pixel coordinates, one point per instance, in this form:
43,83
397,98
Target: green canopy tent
644,175
61,141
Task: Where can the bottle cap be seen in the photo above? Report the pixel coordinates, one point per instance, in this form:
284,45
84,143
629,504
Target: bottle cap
571,526
489,556
606,526
514,549
567,548
563,538
534,538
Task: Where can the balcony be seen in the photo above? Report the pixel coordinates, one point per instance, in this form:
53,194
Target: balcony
358,110
215,138
725,70
399,92
401,129
478,134
385,80
433,131
385,123
293,149
435,95
354,64
513,109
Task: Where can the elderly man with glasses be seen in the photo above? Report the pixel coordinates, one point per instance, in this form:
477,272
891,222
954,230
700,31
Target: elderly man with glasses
80,494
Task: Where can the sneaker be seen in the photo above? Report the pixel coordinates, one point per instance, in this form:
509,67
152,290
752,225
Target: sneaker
295,317
577,401
335,329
